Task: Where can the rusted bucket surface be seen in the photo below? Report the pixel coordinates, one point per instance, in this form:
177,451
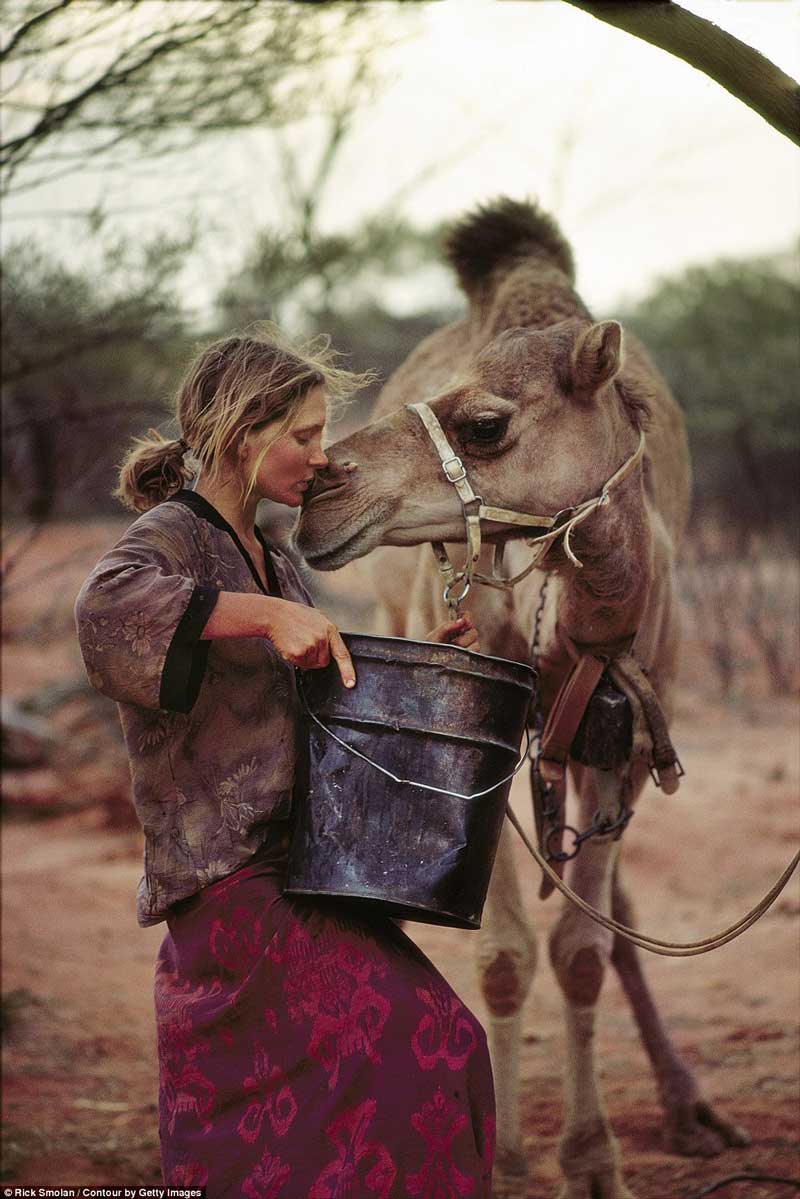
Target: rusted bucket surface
434,714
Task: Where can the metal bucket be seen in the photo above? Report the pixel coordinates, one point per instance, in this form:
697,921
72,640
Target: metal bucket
446,723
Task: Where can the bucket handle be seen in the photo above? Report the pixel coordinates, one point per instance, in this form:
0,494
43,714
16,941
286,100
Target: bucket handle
411,782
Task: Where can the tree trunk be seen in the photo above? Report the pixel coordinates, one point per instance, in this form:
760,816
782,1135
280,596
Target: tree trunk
741,70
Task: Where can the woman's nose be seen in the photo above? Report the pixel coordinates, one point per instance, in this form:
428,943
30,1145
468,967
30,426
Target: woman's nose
319,460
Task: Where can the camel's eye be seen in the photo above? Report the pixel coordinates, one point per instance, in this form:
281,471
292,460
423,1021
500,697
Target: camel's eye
484,432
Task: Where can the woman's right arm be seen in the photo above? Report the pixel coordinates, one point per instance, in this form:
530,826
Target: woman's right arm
303,636
144,624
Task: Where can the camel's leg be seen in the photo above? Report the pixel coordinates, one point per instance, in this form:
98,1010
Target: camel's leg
691,1126
580,950
506,963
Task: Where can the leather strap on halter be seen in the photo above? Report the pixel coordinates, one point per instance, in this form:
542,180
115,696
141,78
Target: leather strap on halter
561,524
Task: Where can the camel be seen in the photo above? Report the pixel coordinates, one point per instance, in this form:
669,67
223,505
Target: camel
542,406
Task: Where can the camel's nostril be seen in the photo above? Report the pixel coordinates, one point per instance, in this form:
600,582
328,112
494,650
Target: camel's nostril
329,478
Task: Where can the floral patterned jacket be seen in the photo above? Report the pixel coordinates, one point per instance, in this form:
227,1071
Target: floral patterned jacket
211,728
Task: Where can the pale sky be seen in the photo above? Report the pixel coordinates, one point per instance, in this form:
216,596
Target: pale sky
647,164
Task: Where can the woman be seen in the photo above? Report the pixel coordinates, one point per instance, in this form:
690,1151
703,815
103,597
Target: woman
303,1051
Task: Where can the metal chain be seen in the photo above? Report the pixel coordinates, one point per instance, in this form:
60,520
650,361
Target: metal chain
536,644
553,829
600,827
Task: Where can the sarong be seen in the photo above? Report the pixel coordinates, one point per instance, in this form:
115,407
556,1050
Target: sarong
309,1052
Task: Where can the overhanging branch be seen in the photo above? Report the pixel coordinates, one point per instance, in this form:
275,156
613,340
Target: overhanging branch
741,70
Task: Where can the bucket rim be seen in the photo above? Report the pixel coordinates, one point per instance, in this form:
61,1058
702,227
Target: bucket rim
364,723
457,649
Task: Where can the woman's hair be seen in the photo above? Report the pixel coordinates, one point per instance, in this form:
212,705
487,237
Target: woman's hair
231,385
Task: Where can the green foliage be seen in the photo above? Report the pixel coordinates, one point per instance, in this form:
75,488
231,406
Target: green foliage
284,274
52,313
727,338
316,283
373,338
88,356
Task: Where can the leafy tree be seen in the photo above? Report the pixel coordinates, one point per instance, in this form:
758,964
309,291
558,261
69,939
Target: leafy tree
294,272
374,338
299,276
726,336
87,356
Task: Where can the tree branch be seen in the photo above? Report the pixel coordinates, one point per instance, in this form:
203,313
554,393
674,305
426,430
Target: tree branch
25,28
113,76
740,69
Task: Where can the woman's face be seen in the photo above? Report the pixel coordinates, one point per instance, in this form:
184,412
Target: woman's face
288,467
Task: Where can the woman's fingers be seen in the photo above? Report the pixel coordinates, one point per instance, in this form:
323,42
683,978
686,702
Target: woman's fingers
307,639
456,632
447,631
306,659
341,656
468,640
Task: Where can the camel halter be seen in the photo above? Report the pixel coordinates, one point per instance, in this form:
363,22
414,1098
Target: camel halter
458,582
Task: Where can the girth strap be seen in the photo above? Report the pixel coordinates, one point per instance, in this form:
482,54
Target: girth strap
665,766
566,714
651,733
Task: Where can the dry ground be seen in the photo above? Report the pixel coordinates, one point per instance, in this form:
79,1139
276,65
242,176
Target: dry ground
79,1074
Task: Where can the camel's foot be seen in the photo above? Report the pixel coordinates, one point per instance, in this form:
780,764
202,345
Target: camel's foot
589,1156
693,1129
596,1184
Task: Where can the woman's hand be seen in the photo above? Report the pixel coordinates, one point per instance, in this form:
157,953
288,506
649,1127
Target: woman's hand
305,637
457,632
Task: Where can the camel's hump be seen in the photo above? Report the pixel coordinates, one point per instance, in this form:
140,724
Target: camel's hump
500,231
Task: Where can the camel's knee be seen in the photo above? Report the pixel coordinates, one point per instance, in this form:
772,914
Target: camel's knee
505,980
582,976
579,967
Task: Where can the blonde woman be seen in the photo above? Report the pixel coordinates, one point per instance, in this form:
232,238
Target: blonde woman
302,1051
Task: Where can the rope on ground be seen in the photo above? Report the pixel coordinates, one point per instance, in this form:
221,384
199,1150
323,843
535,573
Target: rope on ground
731,1178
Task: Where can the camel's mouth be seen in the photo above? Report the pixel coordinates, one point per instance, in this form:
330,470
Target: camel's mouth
333,547
332,559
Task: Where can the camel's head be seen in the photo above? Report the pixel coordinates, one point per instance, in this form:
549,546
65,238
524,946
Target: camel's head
533,419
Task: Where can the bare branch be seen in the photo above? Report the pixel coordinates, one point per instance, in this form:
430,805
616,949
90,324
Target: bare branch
113,76
184,72
77,35
25,28
740,69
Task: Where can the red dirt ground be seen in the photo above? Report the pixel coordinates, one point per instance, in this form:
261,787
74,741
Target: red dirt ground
79,1081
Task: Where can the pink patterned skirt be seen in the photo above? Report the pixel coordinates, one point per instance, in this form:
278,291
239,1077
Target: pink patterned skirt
309,1053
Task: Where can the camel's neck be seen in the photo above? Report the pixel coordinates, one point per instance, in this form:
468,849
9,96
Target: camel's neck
602,605
533,294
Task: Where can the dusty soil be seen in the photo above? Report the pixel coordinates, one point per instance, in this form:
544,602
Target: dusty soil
79,1073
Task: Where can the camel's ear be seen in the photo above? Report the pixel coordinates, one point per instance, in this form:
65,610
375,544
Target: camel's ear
596,357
